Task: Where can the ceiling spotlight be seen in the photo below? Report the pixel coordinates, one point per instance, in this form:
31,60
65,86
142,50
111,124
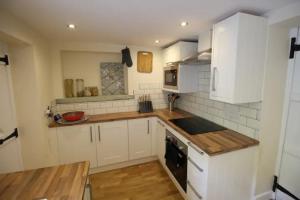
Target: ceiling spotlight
156,41
184,23
71,26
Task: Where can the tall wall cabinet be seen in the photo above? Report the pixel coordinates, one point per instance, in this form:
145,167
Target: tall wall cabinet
238,55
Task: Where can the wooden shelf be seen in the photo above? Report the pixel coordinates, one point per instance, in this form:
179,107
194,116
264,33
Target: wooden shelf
93,99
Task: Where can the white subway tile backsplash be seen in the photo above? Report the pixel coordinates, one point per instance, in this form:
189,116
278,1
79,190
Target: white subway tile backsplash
252,123
246,131
248,112
111,110
243,118
93,105
159,100
80,106
117,103
105,104
98,111
230,124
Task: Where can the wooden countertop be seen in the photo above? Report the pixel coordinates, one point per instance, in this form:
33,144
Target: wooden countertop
212,143
58,182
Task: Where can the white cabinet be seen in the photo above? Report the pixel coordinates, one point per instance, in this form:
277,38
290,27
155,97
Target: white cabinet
140,139
161,136
204,41
238,54
77,143
179,51
219,176
112,142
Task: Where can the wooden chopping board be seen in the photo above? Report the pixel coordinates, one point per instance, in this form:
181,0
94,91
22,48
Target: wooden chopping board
144,61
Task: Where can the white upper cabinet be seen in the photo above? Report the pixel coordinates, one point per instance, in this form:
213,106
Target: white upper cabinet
77,143
238,55
112,142
179,51
140,139
204,41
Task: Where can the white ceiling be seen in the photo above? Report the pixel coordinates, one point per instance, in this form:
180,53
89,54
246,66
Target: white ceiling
138,22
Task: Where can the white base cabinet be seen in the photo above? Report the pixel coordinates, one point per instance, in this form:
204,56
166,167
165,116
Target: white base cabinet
77,143
161,146
106,143
226,176
112,142
140,140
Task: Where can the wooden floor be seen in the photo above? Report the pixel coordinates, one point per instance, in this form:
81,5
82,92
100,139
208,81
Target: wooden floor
147,181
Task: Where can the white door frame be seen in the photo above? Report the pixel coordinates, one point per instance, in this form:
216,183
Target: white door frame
290,71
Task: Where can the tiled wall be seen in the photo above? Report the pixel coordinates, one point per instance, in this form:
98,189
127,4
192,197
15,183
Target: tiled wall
158,98
243,118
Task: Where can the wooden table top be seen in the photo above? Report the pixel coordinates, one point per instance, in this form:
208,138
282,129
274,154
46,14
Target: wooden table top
59,182
213,143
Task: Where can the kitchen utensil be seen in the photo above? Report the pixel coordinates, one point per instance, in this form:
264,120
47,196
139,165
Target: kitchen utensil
80,87
69,88
73,116
144,61
64,122
145,104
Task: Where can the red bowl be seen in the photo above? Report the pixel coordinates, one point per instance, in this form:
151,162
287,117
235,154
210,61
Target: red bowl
73,116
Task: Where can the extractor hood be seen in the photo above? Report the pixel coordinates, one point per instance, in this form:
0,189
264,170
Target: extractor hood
201,58
203,54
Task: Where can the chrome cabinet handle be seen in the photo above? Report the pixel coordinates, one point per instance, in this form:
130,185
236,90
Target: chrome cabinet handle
191,145
148,128
191,161
91,134
214,79
99,134
194,190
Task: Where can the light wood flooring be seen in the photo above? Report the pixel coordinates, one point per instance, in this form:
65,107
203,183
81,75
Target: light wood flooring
146,181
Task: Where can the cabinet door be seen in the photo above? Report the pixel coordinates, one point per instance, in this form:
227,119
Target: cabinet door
139,138
223,59
77,143
161,146
112,142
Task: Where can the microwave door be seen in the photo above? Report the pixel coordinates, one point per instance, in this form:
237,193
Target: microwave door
171,79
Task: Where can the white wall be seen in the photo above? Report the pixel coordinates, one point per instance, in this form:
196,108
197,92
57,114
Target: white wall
134,78
86,65
32,88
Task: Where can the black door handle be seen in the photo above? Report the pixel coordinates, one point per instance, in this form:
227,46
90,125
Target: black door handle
14,134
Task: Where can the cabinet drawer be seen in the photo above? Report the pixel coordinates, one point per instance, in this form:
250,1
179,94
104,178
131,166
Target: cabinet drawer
192,193
197,177
198,156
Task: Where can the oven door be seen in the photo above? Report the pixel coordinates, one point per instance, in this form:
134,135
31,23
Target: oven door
171,77
176,161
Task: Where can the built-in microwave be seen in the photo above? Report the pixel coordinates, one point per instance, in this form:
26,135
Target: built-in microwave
170,77
181,78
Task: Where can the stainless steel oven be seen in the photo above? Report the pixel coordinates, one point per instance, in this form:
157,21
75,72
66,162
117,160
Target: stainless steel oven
171,77
176,158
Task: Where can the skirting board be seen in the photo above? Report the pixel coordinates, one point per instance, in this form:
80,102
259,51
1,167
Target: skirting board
265,196
123,164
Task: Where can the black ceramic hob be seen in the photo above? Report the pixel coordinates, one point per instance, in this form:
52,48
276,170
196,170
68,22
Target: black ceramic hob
196,125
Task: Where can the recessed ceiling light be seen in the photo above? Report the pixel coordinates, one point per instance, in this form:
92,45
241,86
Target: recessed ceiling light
184,23
71,26
156,41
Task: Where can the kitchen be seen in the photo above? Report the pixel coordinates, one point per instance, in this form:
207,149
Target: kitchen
230,131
